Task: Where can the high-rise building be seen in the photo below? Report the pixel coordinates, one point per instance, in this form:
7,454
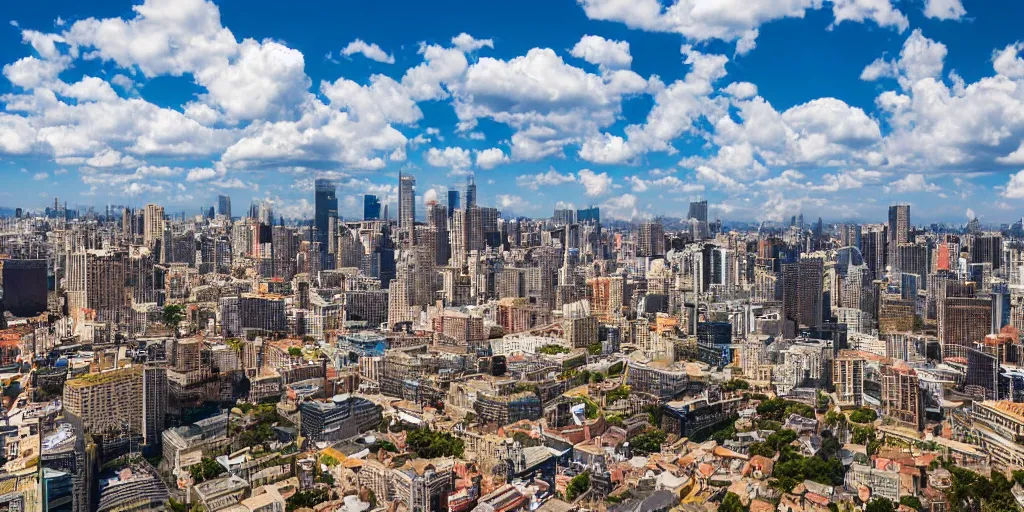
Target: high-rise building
109,402
651,240
470,191
899,224
154,224
371,207
901,396
802,291
224,206
325,207
406,202
965,321
698,211
453,202
848,378
590,215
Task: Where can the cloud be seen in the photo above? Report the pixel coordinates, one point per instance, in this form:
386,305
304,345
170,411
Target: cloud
729,20
370,51
491,158
40,176
1015,187
451,157
669,183
621,207
468,43
544,179
605,53
944,9
506,201
1008,61
920,58
913,183
594,184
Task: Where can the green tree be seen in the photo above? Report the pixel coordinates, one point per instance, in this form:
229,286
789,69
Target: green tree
429,444
594,349
732,503
553,350
648,442
863,415
619,393
880,504
172,315
205,470
295,351
577,486
735,385
912,502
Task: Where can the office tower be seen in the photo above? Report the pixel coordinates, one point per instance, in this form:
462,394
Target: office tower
154,403
562,217
470,191
698,211
713,343
98,403
406,202
850,235
802,291
154,224
453,202
252,312
325,207
590,215
873,248
437,219
848,378
965,321
899,224
491,236
987,249
651,240
910,258
23,283
371,207
901,396
224,206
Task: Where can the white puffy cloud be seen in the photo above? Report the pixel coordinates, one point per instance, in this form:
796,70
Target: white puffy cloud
920,58
670,184
913,182
741,90
1015,187
606,53
508,201
468,43
451,157
370,51
547,102
729,20
545,179
1008,61
491,158
595,184
621,207
676,108
40,176
944,9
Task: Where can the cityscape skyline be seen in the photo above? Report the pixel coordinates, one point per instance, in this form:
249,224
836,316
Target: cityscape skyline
834,111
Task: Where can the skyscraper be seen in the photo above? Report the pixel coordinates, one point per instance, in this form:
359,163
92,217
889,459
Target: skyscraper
153,225
326,206
371,207
224,206
899,224
453,202
406,202
698,210
470,191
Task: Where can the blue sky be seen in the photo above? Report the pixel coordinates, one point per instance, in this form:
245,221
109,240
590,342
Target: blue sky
833,108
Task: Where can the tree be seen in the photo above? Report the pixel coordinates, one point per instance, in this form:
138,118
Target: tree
205,470
912,502
732,503
429,444
880,504
735,385
577,486
619,393
594,349
172,315
295,351
648,442
552,350
863,415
